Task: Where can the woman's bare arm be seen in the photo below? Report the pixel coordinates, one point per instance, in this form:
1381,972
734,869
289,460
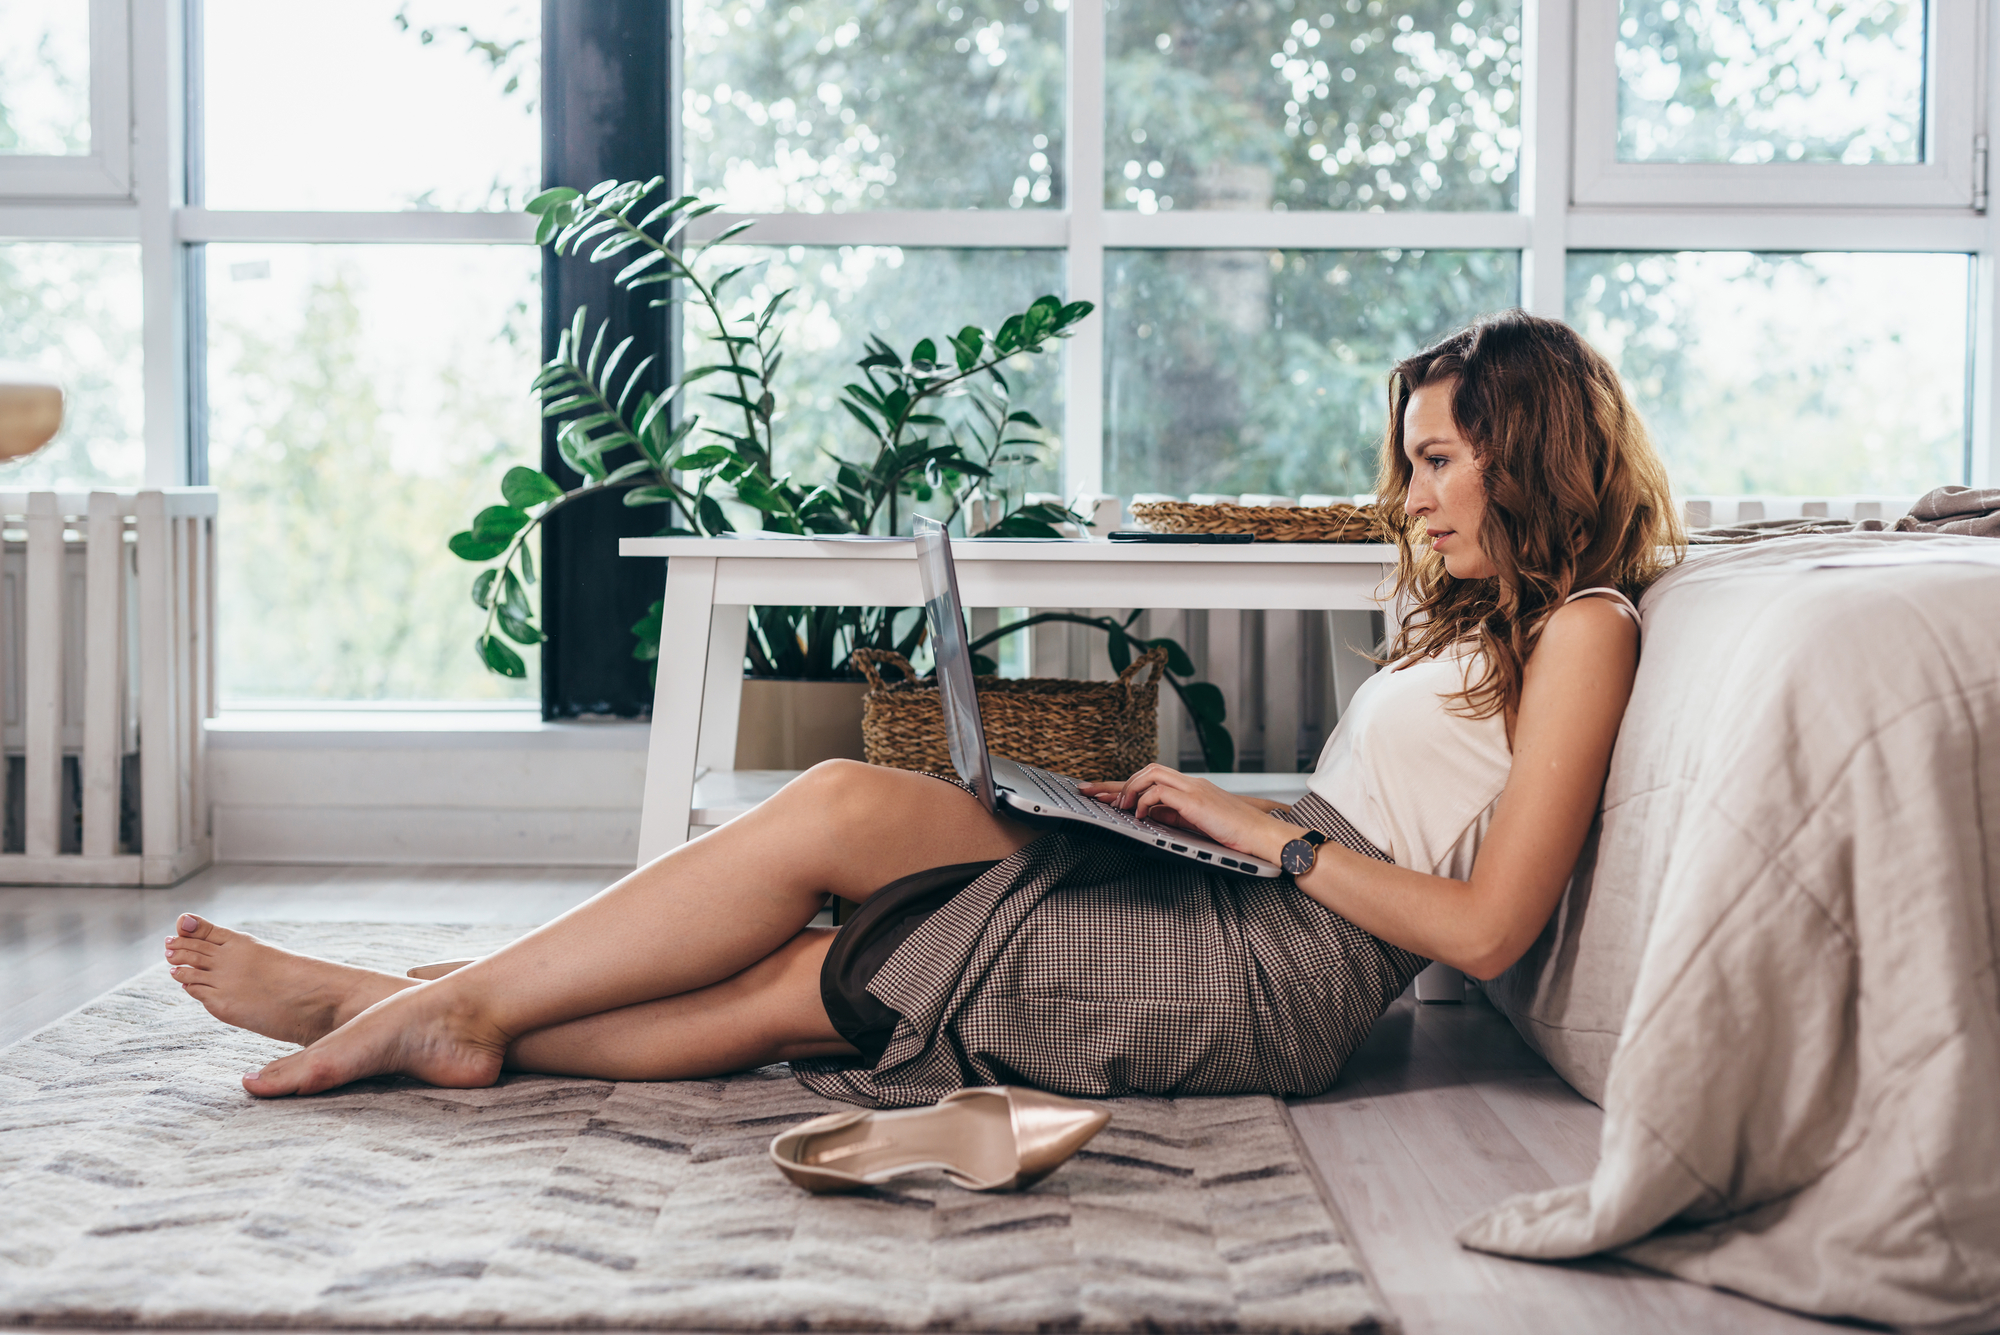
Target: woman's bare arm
1573,697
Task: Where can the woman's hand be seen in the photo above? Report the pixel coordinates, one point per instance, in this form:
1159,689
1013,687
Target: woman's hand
1186,802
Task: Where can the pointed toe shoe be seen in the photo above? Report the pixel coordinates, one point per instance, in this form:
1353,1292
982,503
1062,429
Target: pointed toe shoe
994,1139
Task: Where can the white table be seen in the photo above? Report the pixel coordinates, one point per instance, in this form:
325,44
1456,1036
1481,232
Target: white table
713,582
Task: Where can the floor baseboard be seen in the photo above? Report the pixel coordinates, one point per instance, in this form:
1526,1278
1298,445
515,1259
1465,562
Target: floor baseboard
427,836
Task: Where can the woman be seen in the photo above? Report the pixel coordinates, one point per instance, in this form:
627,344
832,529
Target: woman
1456,793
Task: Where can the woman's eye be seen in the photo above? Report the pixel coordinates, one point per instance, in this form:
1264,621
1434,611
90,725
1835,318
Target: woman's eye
1437,460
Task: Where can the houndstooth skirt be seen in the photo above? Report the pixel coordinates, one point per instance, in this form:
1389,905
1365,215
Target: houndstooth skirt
1085,966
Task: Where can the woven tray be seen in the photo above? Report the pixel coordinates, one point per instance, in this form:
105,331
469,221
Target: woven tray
1320,523
1085,729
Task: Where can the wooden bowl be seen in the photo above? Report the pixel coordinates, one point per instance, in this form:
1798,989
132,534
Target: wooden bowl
31,411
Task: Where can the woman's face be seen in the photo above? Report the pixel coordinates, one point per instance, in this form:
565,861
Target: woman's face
1446,490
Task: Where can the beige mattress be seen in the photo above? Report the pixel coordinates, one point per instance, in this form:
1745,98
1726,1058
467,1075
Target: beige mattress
1776,968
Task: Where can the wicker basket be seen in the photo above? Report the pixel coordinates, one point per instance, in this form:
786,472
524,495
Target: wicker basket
1319,523
1085,729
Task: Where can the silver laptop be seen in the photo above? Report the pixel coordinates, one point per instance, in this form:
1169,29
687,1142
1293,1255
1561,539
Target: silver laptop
1025,789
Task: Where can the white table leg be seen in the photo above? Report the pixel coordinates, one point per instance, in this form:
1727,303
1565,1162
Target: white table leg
1352,635
722,697
686,623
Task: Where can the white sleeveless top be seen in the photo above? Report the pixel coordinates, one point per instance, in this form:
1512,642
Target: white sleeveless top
1415,778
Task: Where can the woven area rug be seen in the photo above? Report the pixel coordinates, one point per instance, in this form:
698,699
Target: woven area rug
140,1186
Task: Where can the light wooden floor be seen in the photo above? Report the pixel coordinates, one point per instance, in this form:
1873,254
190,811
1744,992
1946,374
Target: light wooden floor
1442,1112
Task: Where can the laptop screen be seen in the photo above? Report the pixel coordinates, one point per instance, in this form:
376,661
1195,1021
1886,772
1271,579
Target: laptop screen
956,689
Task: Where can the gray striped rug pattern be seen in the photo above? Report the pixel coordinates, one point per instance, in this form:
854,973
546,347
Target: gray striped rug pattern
140,1186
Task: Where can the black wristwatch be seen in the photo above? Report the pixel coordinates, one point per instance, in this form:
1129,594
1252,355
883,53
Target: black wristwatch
1300,854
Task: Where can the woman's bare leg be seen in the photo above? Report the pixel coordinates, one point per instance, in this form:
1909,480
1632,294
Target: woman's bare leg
770,1012
703,913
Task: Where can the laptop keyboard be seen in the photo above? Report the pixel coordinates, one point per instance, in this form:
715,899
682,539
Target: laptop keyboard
1056,791
1060,792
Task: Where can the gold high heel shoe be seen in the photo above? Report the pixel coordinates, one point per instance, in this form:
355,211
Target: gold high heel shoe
437,969
995,1139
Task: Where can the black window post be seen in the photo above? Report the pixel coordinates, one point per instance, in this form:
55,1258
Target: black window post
605,113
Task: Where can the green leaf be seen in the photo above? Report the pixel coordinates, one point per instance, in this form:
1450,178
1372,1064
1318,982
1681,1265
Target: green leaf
968,344
578,455
649,496
1019,525
1073,312
755,490
493,652
548,199
647,631
633,469
513,598
499,521
468,547
1204,701
984,666
482,589
527,487
709,511
1119,646
708,456
517,630
726,233
1218,748
528,562
873,427
664,449
1009,339
925,351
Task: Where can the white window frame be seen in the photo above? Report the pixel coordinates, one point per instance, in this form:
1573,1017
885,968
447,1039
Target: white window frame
105,171
1551,221
1946,179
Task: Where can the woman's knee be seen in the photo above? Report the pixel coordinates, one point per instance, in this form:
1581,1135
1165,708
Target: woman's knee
841,788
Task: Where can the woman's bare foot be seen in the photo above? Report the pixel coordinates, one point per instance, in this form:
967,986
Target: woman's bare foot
247,983
426,1031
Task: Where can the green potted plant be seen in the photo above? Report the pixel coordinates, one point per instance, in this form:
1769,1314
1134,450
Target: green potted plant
942,423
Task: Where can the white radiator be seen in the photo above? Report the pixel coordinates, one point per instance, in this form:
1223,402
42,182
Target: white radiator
107,674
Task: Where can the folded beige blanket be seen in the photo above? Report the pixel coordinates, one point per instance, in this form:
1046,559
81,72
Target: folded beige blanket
1779,969
1971,511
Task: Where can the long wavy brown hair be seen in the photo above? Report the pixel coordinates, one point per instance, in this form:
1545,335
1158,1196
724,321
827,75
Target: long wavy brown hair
1576,497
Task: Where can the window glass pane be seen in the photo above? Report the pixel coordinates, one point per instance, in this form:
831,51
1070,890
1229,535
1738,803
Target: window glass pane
840,296
1265,371
836,105
72,310
1770,81
44,77
372,104
1336,104
363,403
1815,375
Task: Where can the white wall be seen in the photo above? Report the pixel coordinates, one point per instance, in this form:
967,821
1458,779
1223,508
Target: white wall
426,788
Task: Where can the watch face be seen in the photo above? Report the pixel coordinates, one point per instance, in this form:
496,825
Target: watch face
1297,857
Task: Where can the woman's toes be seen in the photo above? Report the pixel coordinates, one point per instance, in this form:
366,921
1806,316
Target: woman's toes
274,1081
201,929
